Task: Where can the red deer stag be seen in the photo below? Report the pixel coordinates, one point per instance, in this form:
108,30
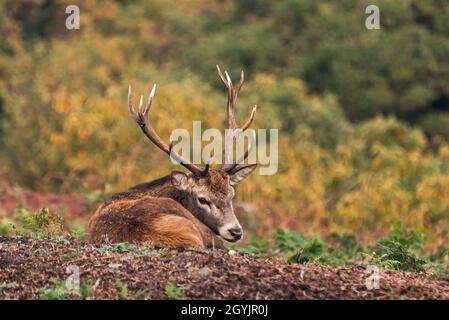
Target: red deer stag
181,209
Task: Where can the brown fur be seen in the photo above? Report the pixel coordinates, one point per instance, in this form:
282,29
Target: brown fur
151,213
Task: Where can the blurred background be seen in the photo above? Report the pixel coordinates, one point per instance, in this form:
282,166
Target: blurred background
363,115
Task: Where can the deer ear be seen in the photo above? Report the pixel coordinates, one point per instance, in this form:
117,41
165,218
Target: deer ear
241,173
180,180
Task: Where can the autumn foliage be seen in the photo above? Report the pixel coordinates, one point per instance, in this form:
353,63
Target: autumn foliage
65,125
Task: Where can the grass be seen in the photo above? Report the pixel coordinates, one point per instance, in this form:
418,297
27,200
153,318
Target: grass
122,290
256,247
401,250
125,247
6,227
60,291
78,230
299,248
124,294
7,285
174,292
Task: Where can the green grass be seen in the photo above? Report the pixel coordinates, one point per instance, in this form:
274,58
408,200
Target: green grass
256,247
6,227
174,292
7,285
301,249
59,291
124,294
402,250
122,290
78,230
125,247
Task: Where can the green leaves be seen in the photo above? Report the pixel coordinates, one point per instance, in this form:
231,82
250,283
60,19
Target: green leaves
398,250
309,250
402,249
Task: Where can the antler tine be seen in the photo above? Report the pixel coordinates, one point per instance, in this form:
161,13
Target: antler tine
251,118
141,120
235,89
141,105
242,78
233,92
227,79
250,148
150,100
232,98
206,169
239,85
220,74
130,104
251,145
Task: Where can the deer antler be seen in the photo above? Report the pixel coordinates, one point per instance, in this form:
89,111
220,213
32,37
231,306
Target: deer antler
141,119
235,131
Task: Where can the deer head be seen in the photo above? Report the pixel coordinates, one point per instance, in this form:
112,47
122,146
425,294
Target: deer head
207,193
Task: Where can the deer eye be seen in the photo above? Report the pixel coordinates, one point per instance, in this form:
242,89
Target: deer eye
203,201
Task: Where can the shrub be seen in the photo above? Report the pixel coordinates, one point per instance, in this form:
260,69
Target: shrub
41,223
397,251
310,250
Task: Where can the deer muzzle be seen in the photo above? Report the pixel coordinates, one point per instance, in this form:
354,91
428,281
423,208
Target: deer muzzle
231,232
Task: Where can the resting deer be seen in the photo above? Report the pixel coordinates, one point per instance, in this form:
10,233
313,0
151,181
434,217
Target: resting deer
180,209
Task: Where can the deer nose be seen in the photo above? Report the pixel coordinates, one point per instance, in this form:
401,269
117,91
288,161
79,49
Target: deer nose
236,233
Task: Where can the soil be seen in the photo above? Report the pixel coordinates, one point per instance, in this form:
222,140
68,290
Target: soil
27,266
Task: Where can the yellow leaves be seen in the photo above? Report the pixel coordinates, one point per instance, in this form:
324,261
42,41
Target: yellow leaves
57,140
264,79
61,107
297,85
443,151
349,209
340,169
433,192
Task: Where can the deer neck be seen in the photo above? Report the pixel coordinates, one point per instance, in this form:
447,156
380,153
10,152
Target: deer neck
162,188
